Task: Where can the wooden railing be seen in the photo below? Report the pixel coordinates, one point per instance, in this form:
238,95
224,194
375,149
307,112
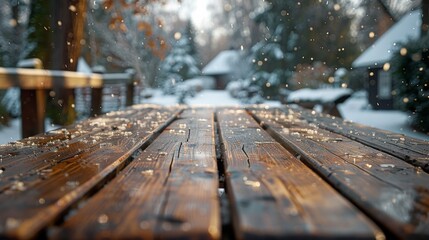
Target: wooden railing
34,84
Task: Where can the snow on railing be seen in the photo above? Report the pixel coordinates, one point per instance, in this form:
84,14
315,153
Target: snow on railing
34,84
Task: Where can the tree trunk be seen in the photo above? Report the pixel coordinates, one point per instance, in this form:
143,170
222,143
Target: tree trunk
67,25
425,18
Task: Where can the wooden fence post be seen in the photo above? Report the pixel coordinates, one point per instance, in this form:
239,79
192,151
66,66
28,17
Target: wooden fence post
130,88
33,104
96,99
33,108
97,94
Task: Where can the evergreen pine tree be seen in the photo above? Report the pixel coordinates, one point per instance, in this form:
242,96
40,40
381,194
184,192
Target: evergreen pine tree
303,32
189,34
271,63
178,65
411,71
40,36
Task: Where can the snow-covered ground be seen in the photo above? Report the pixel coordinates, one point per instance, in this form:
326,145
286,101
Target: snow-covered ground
354,109
215,98
13,131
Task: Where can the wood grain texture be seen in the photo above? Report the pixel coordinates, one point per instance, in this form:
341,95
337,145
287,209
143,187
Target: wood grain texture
391,191
44,79
30,158
40,187
274,195
411,150
168,191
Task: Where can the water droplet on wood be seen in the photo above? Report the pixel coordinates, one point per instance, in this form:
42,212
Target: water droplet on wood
19,186
72,184
144,224
254,184
102,145
12,223
103,219
148,172
387,165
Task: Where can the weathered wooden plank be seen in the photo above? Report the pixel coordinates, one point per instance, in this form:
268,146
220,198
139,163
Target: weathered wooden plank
411,150
168,191
274,195
391,191
30,158
30,205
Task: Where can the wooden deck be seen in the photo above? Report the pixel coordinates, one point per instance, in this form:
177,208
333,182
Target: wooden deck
150,172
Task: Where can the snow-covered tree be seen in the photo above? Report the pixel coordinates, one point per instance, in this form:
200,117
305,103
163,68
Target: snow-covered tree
410,65
126,34
268,61
13,24
237,15
299,32
179,65
189,34
10,101
270,58
39,28
4,115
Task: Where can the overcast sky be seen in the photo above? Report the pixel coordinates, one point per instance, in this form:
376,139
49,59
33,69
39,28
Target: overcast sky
198,10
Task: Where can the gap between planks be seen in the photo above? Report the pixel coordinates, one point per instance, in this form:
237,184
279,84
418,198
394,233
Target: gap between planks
227,230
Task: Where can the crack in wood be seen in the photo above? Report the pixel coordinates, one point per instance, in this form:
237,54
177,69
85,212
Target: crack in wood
178,154
247,156
189,135
162,217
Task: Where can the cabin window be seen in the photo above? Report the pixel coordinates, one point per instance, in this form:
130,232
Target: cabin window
384,85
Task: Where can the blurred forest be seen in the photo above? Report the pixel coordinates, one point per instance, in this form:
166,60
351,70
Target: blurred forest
282,40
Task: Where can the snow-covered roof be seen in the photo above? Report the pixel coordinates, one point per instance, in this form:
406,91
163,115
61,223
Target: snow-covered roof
224,63
381,51
323,95
82,66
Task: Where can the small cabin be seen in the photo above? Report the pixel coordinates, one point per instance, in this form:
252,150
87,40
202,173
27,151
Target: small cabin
377,57
223,67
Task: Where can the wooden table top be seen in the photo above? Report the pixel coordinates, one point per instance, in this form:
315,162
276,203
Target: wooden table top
215,173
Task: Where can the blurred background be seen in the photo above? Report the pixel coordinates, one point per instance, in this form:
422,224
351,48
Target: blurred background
365,61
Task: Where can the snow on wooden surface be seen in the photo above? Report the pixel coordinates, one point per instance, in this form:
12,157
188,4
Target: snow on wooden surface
325,95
